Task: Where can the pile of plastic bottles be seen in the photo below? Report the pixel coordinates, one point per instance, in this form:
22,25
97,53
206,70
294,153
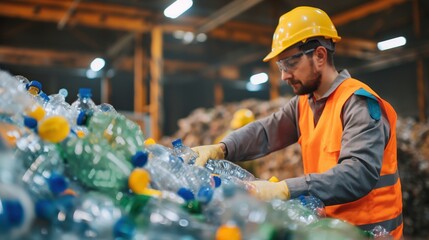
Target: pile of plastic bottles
85,171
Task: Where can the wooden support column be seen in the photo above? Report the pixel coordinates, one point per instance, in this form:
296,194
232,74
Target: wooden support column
421,93
218,93
105,90
139,78
156,93
274,78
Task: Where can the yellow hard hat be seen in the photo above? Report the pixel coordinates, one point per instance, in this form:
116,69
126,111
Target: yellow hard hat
241,118
298,25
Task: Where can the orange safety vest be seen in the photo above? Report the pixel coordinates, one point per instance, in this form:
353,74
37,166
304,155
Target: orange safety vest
321,147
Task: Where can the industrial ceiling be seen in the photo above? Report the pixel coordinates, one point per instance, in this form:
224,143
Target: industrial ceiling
55,41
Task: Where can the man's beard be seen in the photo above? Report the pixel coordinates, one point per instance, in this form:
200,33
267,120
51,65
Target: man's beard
310,86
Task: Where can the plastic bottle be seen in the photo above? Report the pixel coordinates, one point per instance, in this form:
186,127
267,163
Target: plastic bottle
246,212
163,162
225,167
17,212
330,229
314,204
92,162
290,215
161,219
14,99
83,107
91,216
11,168
84,101
183,151
123,135
162,175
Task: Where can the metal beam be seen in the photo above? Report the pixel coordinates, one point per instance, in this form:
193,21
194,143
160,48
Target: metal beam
225,14
364,10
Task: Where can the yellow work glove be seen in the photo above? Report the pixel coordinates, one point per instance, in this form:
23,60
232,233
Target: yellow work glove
206,152
265,190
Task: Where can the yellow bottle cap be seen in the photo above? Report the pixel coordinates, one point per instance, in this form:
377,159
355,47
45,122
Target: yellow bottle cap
138,180
80,134
53,129
37,112
151,192
273,179
149,141
228,232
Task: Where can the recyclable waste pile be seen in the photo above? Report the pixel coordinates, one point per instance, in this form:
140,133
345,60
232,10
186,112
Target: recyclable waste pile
85,171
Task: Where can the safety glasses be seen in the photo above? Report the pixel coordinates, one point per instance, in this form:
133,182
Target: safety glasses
290,63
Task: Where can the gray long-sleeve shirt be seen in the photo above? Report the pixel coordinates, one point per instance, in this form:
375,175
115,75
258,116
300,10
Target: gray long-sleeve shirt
362,146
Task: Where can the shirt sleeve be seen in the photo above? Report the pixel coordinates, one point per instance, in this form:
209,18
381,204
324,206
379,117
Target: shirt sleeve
264,136
358,170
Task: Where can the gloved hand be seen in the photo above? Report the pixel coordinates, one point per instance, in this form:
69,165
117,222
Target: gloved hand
265,190
206,152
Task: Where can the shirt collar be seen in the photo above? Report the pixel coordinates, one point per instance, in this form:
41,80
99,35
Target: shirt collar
343,75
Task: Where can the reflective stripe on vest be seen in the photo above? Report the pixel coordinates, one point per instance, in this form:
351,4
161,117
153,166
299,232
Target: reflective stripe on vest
383,204
387,180
389,225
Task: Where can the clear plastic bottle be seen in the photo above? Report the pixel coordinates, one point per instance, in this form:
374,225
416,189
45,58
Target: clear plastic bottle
162,169
14,99
11,168
314,204
161,219
83,107
225,167
84,101
183,151
90,216
244,211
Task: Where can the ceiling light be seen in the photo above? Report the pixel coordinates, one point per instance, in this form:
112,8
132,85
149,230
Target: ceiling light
201,37
91,74
259,78
97,64
177,8
391,43
252,87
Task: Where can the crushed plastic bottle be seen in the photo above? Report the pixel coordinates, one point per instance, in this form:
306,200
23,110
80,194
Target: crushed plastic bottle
227,168
184,152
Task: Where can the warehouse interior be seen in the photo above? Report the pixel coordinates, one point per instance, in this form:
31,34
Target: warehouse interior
169,74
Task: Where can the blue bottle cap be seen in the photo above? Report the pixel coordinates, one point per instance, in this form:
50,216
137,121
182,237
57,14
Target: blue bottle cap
205,194
217,181
14,212
30,122
45,209
44,96
139,159
186,194
177,143
57,183
124,228
85,92
35,84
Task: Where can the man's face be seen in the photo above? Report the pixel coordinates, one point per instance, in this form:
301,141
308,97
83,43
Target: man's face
298,70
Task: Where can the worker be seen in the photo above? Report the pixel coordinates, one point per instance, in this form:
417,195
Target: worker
240,118
346,131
